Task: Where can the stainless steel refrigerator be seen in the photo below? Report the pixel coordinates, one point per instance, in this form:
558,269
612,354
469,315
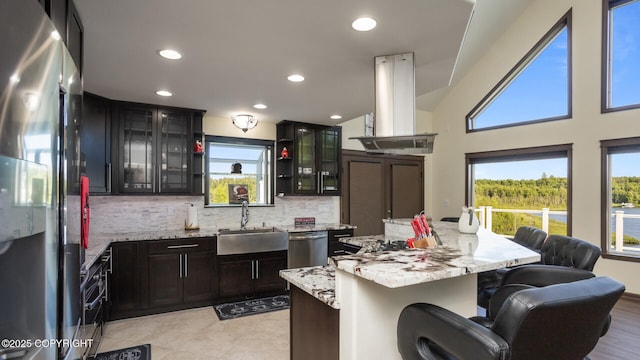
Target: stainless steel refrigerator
40,254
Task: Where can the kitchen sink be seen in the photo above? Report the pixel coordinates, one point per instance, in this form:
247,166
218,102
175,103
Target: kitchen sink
246,241
247,231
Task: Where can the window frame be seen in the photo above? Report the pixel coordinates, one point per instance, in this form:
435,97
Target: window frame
487,100
607,6
241,141
605,187
520,154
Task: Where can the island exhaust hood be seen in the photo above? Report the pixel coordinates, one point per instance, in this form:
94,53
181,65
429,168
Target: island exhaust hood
394,129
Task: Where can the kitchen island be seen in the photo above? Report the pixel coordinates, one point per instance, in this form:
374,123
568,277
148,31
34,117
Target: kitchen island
372,287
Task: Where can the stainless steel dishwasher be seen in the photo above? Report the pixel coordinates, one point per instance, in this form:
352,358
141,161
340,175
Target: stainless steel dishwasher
307,249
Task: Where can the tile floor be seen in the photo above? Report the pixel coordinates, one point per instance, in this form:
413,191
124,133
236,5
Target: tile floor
197,334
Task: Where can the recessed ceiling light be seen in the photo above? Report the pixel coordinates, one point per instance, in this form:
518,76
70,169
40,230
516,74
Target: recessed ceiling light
170,54
363,24
336,117
164,93
55,35
260,106
295,78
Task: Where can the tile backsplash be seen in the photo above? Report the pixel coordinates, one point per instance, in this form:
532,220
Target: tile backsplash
124,214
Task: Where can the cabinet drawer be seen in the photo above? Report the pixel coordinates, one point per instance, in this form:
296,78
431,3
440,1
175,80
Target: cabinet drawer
335,235
181,245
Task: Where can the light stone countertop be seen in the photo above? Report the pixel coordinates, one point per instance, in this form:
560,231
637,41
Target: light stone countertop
317,281
98,243
459,254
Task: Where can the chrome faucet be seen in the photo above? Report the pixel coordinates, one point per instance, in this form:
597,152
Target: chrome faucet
245,214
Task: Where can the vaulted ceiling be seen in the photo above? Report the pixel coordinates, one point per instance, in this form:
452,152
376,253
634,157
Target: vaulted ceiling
239,53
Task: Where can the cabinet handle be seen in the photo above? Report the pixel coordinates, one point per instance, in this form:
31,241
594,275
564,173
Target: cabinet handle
319,190
186,265
180,265
159,181
182,246
341,235
109,177
253,267
257,270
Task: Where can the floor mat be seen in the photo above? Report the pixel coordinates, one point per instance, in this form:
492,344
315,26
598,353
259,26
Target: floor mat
251,307
140,352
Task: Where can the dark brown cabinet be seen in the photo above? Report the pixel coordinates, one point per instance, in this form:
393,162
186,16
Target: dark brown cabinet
313,166
251,275
162,275
155,150
376,187
126,282
336,247
181,272
66,19
95,142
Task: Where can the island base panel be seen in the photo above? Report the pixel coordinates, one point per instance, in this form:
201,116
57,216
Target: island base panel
314,328
369,312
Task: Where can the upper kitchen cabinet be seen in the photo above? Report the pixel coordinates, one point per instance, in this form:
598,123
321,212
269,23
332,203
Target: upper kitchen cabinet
313,163
155,150
95,142
66,19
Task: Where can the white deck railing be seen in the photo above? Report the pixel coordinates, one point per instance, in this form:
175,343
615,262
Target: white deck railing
485,215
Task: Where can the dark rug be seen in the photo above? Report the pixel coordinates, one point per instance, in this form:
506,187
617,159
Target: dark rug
140,352
251,307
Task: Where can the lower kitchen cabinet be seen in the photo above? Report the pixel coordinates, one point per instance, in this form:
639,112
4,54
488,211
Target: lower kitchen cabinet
181,272
126,280
337,248
251,275
162,275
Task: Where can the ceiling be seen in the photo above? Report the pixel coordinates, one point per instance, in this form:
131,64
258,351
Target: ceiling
239,53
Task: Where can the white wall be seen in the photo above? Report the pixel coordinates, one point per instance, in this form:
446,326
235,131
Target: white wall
587,127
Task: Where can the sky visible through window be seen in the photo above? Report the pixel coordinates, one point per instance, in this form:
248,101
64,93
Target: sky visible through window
538,92
521,170
245,154
625,55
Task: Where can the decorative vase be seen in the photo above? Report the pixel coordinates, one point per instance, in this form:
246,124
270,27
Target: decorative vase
468,223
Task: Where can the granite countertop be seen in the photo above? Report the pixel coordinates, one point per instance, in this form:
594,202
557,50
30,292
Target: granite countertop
316,227
98,243
317,281
459,254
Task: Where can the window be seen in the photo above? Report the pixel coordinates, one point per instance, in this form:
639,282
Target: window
537,89
621,198
621,54
250,160
513,188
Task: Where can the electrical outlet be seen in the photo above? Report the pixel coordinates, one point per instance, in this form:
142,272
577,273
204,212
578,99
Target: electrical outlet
446,203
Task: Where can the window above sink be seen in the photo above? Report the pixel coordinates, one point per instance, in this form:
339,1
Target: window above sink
238,169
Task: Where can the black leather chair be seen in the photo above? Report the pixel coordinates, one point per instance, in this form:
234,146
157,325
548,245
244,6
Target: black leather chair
530,237
488,281
556,250
569,251
562,321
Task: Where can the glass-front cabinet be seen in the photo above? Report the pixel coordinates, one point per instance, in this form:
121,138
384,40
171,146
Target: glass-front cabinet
156,150
137,149
312,166
175,148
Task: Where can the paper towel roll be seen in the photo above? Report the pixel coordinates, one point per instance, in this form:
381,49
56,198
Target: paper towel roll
191,221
